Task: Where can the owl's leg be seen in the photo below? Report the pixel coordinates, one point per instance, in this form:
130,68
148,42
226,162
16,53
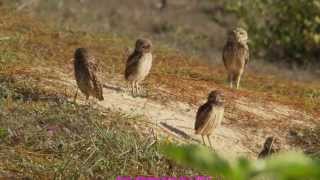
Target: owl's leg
238,78
209,141
139,88
75,96
132,88
204,143
128,87
230,79
87,99
136,88
234,78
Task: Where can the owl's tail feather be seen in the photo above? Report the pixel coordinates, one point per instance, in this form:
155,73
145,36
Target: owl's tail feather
99,92
98,89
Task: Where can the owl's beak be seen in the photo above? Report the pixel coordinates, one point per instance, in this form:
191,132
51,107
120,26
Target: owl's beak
223,99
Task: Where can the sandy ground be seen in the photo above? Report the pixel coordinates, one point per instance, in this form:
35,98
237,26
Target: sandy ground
239,134
174,118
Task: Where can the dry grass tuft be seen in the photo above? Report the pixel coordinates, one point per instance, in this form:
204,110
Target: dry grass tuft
44,136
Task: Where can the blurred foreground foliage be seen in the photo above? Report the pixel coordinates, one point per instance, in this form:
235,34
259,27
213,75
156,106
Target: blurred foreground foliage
286,31
291,165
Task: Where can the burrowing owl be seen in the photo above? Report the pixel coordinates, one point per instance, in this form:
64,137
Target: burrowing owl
210,115
268,148
139,64
236,55
85,69
162,4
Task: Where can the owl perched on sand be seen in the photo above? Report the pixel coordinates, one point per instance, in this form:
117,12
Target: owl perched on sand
268,148
139,64
85,73
210,115
236,55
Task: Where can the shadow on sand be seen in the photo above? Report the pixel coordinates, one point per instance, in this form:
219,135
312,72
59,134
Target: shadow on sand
178,132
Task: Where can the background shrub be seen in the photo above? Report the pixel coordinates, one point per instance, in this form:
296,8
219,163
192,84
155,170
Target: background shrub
286,31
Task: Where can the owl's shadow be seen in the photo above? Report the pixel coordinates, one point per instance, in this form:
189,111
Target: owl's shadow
120,89
114,88
178,132
165,125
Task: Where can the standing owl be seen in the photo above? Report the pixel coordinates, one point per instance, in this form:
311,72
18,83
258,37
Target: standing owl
236,55
210,115
85,69
268,148
138,64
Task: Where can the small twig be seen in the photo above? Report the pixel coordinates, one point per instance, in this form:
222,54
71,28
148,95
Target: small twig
5,38
151,144
89,157
124,153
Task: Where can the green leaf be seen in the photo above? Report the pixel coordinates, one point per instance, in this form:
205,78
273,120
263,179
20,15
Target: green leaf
3,133
290,165
293,165
199,158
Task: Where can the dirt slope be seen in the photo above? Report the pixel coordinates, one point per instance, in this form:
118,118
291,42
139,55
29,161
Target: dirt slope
238,136
266,105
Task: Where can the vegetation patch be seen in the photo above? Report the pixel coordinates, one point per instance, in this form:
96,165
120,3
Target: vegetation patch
55,138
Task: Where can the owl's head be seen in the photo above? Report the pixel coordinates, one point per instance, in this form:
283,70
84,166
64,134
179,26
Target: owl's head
216,96
81,54
143,46
238,35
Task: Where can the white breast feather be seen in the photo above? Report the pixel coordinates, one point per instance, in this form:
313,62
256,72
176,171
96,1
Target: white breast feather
144,66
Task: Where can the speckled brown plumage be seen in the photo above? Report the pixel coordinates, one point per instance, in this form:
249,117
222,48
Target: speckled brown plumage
210,115
138,64
268,148
85,69
236,55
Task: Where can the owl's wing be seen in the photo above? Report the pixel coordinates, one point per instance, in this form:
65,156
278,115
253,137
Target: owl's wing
226,50
207,112
93,68
247,54
127,52
132,63
265,153
92,63
203,115
262,154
